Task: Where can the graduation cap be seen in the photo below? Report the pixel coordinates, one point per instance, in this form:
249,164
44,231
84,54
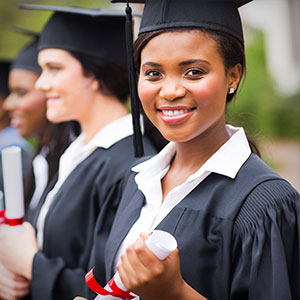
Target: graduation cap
4,71
27,56
219,15
94,32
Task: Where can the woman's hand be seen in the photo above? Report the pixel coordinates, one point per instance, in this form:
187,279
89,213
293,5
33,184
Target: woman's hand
12,286
145,275
18,249
80,298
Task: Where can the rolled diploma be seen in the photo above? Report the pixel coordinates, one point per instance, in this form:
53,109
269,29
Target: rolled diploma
2,219
13,182
161,243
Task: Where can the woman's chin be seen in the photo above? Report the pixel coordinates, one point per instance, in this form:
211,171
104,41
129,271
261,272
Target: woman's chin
54,118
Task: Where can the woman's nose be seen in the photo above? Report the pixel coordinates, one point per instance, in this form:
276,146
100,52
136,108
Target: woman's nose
10,102
172,89
42,84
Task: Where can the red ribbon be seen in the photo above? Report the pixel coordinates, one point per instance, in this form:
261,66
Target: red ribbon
95,287
14,222
2,216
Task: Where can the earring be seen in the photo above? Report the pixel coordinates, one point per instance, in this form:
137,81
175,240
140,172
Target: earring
231,90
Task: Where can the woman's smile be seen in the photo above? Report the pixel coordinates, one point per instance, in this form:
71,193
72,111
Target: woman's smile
176,114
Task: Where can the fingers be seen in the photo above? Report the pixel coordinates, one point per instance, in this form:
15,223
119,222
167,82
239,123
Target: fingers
139,266
12,286
80,298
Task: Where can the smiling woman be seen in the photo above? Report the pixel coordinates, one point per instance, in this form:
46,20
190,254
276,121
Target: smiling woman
27,108
66,87
32,110
229,212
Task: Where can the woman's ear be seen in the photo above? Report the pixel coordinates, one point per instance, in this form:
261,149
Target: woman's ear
95,85
234,77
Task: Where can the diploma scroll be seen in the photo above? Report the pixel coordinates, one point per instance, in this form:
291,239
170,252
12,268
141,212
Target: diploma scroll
2,210
13,185
161,243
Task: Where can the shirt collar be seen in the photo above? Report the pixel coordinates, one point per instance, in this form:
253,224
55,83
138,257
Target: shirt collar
227,160
108,135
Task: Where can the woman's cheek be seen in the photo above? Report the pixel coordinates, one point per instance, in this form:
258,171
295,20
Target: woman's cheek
205,93
35,101
147,94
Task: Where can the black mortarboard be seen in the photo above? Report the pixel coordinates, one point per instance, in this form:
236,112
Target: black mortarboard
95,32
4,71
27,58
219,15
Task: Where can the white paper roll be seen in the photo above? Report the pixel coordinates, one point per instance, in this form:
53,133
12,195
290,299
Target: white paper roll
161,243
1,201
13,182
2,219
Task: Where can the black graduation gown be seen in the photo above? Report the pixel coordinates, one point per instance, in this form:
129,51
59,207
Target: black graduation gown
92,189
237,239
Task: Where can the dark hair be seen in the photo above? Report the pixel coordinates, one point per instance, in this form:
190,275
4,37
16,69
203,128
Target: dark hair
113,79
57,137
231,50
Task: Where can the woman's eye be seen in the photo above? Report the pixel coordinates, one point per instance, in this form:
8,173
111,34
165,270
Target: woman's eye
152,74
195,73
21,93
54,68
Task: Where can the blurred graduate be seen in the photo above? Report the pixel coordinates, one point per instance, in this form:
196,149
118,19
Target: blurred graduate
235,220
9,135
82,53
26,107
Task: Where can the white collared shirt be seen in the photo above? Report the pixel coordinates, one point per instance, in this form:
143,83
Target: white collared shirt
40,171
76,153
227,161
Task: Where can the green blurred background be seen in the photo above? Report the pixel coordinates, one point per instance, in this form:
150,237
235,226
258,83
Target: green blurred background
271,118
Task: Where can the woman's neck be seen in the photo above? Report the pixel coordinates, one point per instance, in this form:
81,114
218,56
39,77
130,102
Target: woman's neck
103,111
4,122
193,154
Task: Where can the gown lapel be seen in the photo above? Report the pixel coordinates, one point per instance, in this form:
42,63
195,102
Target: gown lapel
126,216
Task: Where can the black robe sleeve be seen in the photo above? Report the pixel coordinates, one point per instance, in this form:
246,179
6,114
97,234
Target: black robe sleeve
53,278
266,237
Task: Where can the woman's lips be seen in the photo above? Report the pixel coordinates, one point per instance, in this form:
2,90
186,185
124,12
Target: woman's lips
16,122
52,100
173,115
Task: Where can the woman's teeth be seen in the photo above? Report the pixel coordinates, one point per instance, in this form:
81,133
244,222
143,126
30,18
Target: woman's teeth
172,113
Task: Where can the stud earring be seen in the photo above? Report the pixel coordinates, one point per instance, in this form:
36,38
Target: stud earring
231,90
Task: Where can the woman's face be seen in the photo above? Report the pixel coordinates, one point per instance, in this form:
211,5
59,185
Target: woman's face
26,105
67,89
183,84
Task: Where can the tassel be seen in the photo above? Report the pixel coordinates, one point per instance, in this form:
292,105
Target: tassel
137,135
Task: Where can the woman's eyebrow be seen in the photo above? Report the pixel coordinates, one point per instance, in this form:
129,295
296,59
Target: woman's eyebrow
152,64
192,61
